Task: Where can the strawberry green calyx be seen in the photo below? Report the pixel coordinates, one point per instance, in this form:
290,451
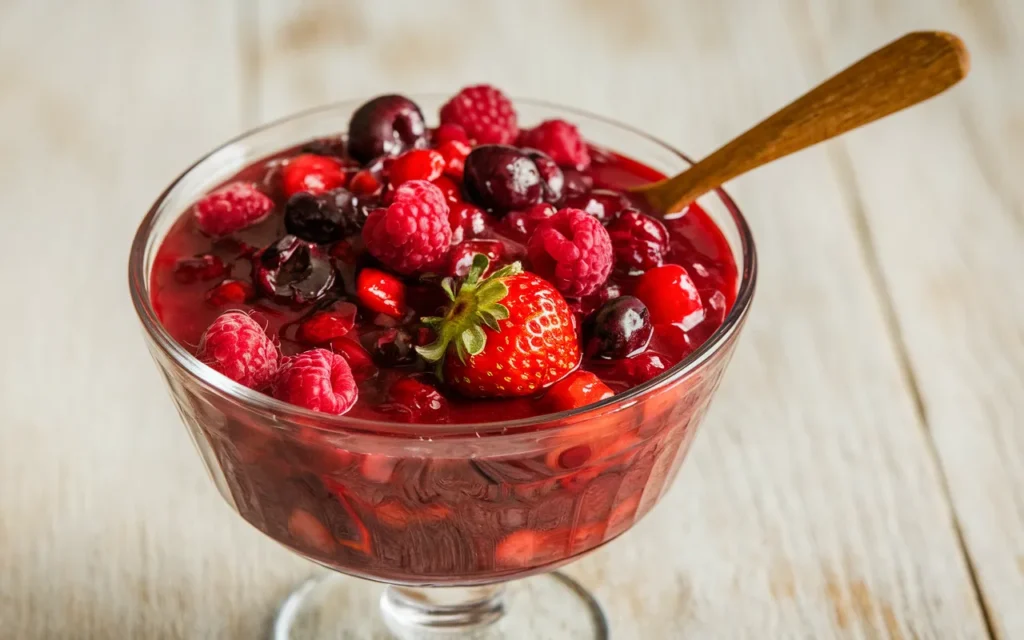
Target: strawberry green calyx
476,303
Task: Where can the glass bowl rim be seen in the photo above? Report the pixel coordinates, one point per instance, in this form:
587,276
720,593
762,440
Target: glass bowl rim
295,417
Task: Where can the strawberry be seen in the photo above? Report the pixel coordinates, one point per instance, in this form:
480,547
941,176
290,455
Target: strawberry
507,335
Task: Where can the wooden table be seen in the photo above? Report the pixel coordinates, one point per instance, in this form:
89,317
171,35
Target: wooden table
861,474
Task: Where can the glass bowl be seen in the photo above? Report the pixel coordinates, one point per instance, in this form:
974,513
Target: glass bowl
445,514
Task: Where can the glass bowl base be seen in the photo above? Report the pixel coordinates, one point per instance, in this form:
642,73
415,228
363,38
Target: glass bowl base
336,606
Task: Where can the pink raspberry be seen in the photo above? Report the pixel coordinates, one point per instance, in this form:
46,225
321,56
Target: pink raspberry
238,347
484,112
413,233
572,251
317,379
232,208
560,140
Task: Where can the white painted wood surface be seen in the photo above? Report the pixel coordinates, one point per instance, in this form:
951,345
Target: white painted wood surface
860,474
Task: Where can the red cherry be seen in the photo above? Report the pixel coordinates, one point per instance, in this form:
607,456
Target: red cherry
381,292
418,164
358,358
229,292
578,389
312,173
324,326
670,296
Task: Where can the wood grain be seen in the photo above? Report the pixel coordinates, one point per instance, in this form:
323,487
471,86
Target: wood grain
811,506
901,74
941,217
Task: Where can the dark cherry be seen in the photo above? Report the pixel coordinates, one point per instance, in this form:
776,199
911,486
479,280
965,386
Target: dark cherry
550,173
293,270
501,178
519,225
621,328
315,218
389,347
603,204
639,241
385,126
461,257
467,221
576,184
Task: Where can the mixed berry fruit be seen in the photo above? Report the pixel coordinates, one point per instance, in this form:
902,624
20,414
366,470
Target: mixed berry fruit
386,223
474,271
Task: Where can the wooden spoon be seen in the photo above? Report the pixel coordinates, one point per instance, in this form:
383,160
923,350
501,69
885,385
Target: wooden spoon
899,75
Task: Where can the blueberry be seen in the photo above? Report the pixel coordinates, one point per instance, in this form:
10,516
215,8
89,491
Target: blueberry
502,178
385,126
621,328
292,270
550,173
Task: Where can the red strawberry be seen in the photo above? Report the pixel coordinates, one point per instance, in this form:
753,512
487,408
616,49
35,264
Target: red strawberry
510,334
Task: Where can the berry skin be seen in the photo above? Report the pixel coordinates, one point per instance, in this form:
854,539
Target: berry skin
232,208
520,225
639,241
364,183
415,401
621,328
199,269
461,258
578,389
502,178
573,251
328,324
292,270
551,175
603,204
467,221
238,347
311,173
454,153
560,140
511,334
381,292
418,164
390,347
448,133
670,296
576,184
229,292
385,126
358,359
413,233
318,379
484,112
315,218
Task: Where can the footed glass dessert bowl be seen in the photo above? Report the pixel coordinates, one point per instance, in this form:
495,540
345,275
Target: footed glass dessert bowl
442,359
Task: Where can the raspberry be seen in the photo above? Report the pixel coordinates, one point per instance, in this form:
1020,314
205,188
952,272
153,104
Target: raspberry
485,113
312,173
572,251
232,208
413,233
236,346
317,379
560,140
418,164
640,242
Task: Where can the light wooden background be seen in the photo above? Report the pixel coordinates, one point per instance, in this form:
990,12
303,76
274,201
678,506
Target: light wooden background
862,472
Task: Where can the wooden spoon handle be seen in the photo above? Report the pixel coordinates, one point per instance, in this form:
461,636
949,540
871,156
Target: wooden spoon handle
912,69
